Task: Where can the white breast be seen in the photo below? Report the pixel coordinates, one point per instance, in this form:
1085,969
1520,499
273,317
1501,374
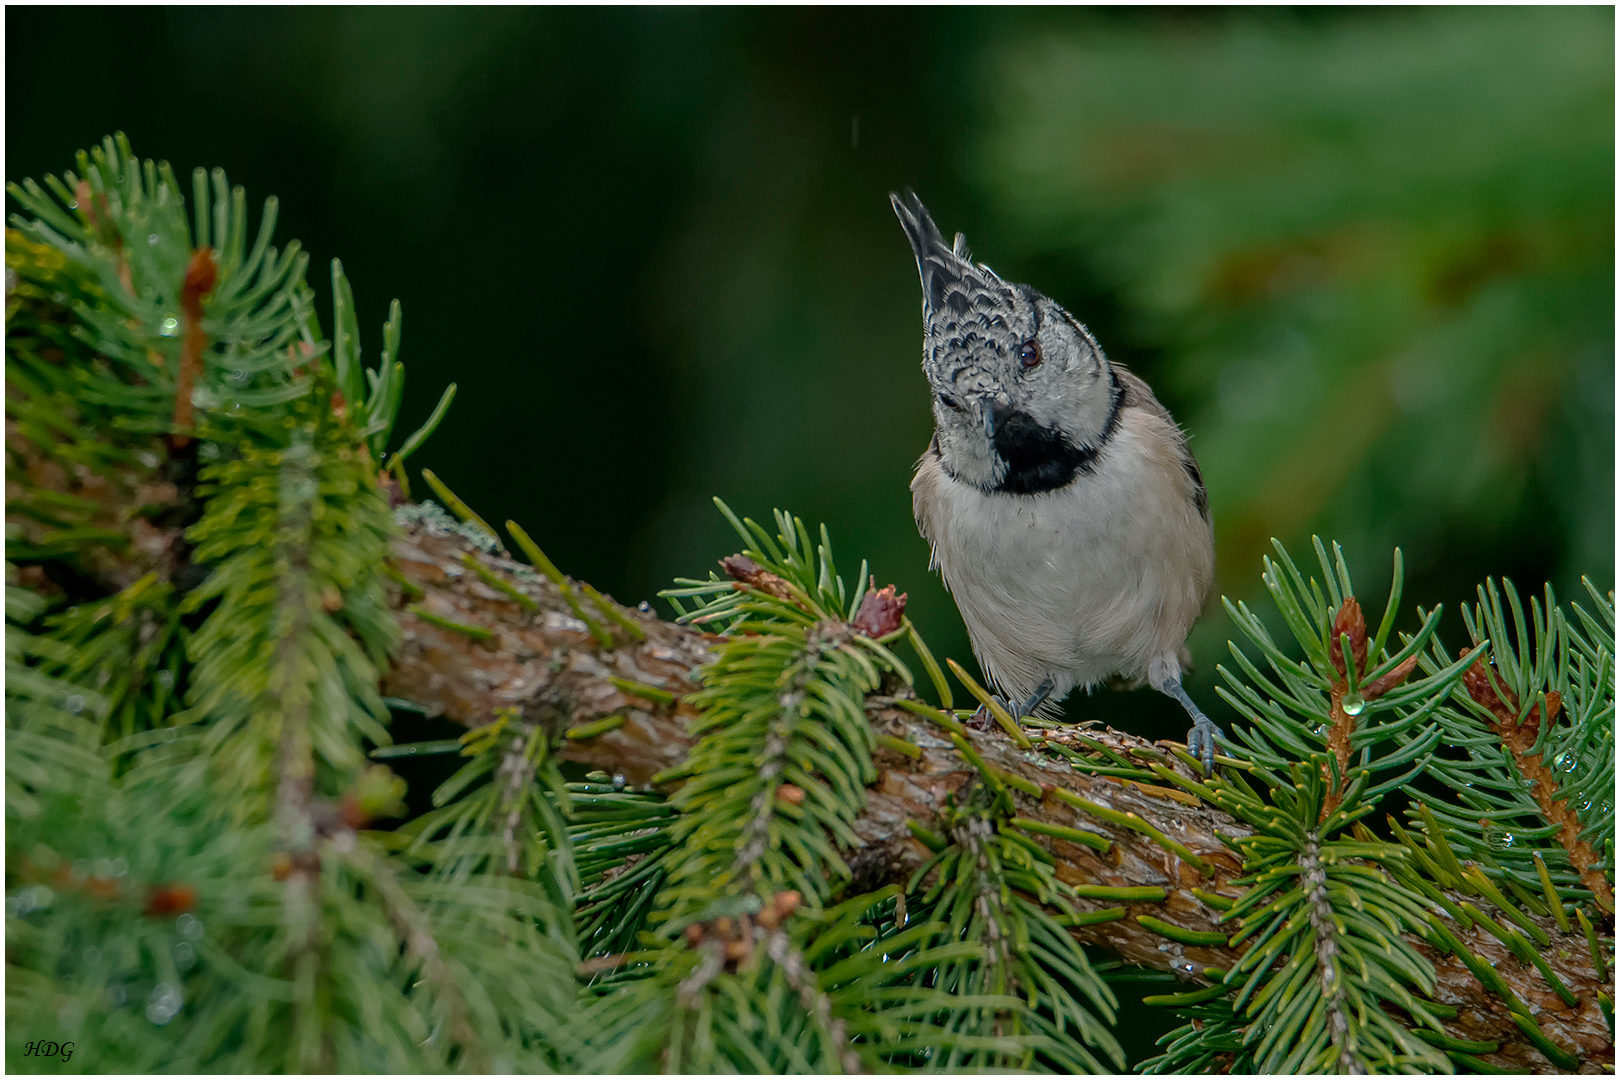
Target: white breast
1097,578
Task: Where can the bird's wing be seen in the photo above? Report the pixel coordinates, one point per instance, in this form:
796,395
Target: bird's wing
1139,395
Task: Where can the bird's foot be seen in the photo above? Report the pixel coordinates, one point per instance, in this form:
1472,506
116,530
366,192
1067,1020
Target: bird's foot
1015,709
982,719
1201,739
1201,742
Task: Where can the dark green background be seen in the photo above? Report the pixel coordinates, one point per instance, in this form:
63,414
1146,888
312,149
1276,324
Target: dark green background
1365,256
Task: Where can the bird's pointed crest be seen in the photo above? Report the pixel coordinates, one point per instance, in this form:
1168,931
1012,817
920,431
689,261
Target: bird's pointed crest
950,277
940,263
969,313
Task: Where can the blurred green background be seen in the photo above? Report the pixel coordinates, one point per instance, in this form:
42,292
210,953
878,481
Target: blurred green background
1366,257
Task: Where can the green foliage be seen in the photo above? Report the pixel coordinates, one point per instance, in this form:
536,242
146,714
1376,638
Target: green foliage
1330,979
298,625
133,641
745,960
500,814
784,704
1335,924
197,620
189,883
1294,711
1516,764
608,828
837,990
982,885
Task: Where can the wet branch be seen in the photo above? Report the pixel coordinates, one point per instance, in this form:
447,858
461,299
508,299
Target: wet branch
476,642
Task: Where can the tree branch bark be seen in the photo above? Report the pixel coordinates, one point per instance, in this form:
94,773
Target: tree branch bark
545,662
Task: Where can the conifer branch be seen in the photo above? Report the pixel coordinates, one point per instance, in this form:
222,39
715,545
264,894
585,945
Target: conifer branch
542,662
545,663
803,981
1328,969
417,932
821,638
1519,737
199,617
294,813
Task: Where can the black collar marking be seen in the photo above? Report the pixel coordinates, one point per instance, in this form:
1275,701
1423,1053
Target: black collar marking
1040,459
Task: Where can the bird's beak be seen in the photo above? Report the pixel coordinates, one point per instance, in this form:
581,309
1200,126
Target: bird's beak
995,414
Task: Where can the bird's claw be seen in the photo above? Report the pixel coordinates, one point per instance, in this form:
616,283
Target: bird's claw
982,718
1201,742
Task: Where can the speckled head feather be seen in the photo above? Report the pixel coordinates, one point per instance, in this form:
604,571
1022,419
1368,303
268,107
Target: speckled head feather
971,318
1023,398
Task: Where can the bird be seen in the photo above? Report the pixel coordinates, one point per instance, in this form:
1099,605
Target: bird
1064,509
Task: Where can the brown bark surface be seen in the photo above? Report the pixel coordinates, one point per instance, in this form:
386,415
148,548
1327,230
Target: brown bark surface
546,663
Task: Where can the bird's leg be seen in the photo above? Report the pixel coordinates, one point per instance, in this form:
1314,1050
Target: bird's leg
1201,739
1019,710
1042,692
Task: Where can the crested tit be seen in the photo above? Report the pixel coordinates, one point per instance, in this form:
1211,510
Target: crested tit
1067,516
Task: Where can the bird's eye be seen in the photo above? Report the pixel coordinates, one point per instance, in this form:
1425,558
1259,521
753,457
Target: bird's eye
950,402
1029,355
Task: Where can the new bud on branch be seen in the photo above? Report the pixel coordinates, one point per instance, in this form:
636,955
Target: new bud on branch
199,282
882,612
